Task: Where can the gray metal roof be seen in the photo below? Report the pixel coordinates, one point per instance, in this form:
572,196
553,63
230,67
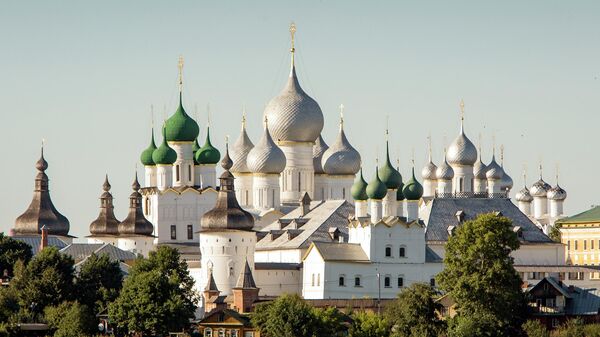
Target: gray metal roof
34,242
346,252
294,231
431,256
441,213
81,251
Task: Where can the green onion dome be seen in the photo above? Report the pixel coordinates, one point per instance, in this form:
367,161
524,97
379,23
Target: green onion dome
388,174
195,149
399,194
412,190
376,188
207,154
164,155
146,157
359,188
181,127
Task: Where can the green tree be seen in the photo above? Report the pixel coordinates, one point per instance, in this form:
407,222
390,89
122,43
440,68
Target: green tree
367,324
11,251
157,296
331,322
533,328
46,280
287,316
9,303
572,328
413,313
555,234
98,283
479,274
70,319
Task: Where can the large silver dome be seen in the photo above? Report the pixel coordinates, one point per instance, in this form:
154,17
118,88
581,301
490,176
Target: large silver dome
557,193
428,171
341,158
540,188
318,150
293,115
266,157
239,151
444,171
494,171
462,151
524,195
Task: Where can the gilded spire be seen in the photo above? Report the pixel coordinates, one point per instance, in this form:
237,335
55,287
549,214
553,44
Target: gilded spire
244,116
541,170
341,116
180,67
462,115
292,36
502,155
525,176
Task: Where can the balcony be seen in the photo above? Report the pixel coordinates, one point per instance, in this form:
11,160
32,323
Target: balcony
546,310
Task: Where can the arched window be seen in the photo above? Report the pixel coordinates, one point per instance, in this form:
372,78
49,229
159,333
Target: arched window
357,281
400,281
432,282
208,332
190,172
318,280
222,333
402,251
342,280
230,271
388,251
299,181
387,281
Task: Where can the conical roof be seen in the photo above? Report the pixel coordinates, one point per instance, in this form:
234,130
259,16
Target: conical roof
266,157
359,188
211,285
341,158
207,154
181,127
146,156
240,150
106,223
318,150
41,210
246,280
135,223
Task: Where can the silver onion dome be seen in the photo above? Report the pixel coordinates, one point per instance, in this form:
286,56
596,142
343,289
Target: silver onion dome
341,158
266,157
506,183
494,171
428,171
462,151
444,171
240,149
524,195
540,188
479,170
318,150
293,115
557,193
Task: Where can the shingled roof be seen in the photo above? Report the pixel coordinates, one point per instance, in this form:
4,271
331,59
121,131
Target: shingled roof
590,216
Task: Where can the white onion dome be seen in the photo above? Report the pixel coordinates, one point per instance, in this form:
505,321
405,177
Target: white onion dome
557,193
524,195
293,115
479,170
494,171
462,151
444,171
240,149
341,158
428,171
318,150
540,188
266,157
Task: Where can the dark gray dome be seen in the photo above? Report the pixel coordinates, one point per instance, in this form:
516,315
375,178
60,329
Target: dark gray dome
106,223
136,223
494,171
557,193
341,158
240,150
318,150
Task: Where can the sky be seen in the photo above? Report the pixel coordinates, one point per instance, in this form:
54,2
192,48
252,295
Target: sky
83,76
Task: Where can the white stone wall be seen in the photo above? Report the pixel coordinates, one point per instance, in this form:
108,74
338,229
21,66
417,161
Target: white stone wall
540,206
164,176
463,179
389,203
298,176
183,169
149,176
136,244
243,189
340,187
321,187
266,191
279,255
277,282
208,175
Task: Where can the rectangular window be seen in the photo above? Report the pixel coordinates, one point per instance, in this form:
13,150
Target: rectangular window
584,244
357,281
176,172
312,283
400,281
190,232
387,282
318,280
190,172
402,252
173,232
342,281
388,251
592,244
575,244
248,333
432,282
576,276
568,244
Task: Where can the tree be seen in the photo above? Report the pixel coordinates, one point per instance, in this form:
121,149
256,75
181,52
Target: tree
555,233
413,313
157,296
287,316
46,280
98,283
11,251
533,328
331,322
9,303
70,319
479,274
366,324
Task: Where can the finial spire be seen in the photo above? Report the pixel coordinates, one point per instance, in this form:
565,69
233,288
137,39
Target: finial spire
524,175
341,116
180,67
502,155
557,171
244,117
387,128
480,141
152,117
266,121
494,146
293,37
429,147
541,170
462,115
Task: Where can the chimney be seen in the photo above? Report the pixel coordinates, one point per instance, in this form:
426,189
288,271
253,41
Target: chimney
305,203
44,240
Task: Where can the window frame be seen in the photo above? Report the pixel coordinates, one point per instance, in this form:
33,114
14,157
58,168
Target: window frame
402,251
400,281
388,251
190,232
357,281
173,232
387,281
342,280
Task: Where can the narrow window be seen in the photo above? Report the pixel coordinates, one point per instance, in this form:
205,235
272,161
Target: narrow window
592,244
312,283
402,252
190,232
575,244
432,282
344,193
400,281
173,232
357,281
387,282
341,281
569,245
189,172
299,181
177,172
147,204
318,280
388,251
208,332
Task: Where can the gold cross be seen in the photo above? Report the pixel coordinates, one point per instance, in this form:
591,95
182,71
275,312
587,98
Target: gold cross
462,110
293,33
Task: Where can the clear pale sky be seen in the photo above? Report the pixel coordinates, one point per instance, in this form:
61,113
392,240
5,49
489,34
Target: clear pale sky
83,75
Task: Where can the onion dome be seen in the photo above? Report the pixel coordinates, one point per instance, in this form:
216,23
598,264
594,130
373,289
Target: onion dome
506,183
106,223
135,223
227,213
359,188
388,174
240,150
494,171
540,188
164,155
207,154
318,150
146,157
428,171
480,170
293,115
412,190
341,158
462,151
41,210
399,194
266,157
444,171
195,149
524,195
557,193
376,189
181,127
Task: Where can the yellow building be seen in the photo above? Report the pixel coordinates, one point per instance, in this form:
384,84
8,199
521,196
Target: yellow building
581,235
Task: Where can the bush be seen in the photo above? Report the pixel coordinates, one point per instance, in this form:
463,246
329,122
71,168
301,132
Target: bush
70,319
534,328
592,330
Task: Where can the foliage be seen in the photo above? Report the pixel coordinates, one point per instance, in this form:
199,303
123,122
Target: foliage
158,295
555,234
479,274
99,282
534,328
572,328
591,330
366,324
413,313
331,322
287,316
47,280
70,319
11,251
9,303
